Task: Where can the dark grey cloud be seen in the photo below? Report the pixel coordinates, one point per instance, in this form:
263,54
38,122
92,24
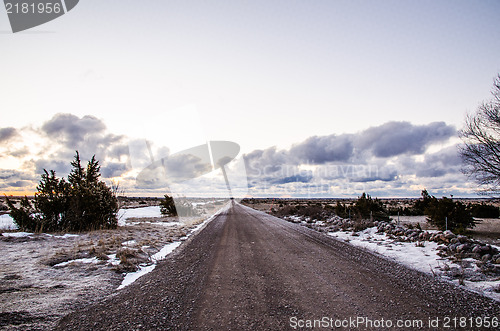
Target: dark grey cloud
299,178
396,138
61,167
320,150
446,161
89,136
11,178
71,129
113,169
268,161
7,134
384,177
20,183
11,174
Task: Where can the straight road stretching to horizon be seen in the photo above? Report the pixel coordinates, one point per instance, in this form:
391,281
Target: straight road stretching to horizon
247,270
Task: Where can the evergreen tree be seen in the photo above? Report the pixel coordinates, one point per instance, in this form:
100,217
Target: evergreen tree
51,201
448,213
79,204
167,206
23,216
366,207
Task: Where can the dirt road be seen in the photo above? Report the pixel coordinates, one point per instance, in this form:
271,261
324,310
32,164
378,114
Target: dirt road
250,271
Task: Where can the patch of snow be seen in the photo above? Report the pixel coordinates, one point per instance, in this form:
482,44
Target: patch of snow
124,214
64,236
167,249
68,235
16,234
419,258
84,260
7,223
166,223
129,243
113,260
484,287
133,276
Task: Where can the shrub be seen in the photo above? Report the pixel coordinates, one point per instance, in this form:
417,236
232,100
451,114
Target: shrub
167,206
79,204
341,210
178,207
366,207
445,211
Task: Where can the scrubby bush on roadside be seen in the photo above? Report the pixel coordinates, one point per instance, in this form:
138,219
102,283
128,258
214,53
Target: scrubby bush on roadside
177,207
167,206
445,212
79,204
341,210
366,207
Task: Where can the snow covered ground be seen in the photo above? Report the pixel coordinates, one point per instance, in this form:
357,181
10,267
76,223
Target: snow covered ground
124,214
424,258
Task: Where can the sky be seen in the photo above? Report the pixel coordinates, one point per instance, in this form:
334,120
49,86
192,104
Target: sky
324,98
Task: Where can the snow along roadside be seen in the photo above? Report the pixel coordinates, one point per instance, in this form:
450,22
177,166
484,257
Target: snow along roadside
167,249
422,258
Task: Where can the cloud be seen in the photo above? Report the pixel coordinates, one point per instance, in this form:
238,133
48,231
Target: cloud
7,134
439,164
71,129
87,134
10,178
61,167
114,169
396,138
386,157
319,150
10,174
299,178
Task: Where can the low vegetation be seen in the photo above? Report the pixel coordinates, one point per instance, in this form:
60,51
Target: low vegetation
444,213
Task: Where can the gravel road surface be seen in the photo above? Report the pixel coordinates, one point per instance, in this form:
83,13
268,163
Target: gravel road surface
247,270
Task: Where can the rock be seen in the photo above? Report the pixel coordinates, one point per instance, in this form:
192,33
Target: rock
476,249
486,258
462,248
497,261
454,241
449,235
462,239
453,247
